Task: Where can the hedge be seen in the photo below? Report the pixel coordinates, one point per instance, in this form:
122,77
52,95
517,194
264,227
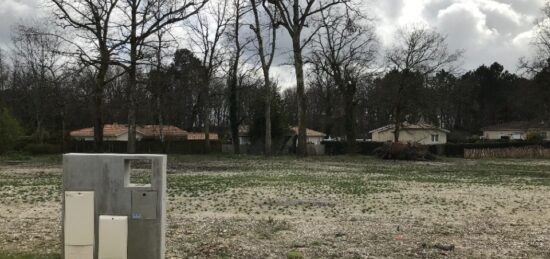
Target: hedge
457,149
449,149
339,147
41,149
149,147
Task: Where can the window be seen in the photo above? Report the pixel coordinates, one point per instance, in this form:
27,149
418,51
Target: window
435,138
544,135
139,172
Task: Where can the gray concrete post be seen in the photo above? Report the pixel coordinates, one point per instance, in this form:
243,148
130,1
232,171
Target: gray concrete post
108,176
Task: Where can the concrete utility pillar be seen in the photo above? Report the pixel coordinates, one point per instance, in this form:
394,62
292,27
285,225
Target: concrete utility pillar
106,215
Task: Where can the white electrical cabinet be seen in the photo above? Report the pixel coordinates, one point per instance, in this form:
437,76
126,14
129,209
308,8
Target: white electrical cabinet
79,252
79,225
113,237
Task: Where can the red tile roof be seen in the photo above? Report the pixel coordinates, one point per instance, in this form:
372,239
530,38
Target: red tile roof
109,130
167,130
114,130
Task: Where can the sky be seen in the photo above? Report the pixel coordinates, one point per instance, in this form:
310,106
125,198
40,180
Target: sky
487,30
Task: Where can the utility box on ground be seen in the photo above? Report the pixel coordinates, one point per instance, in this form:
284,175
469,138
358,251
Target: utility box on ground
110,213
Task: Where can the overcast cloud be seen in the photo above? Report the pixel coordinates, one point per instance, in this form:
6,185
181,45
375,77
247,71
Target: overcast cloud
488,30
13,12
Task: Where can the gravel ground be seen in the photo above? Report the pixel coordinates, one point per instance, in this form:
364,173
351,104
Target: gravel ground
252,207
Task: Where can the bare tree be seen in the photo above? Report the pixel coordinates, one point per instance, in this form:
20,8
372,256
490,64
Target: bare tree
266,53
295,16
323,85
206,32
92,21
418,50
4,73
345,50
40,54
157,82
541,41
142,20
234,77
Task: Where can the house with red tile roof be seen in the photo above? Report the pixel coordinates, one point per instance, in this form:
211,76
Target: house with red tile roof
119,132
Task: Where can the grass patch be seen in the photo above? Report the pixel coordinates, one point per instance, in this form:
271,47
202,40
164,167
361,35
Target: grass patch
294,255
16,158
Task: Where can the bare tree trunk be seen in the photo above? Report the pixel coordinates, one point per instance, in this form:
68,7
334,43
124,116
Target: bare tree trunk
159,116
132,82
98,123
300,91
233,85
131,148
266,66
98,105
398,108
159,90
350,125
268,143
206,118
233,110
329,124
63,132
397,122
39,130
350,110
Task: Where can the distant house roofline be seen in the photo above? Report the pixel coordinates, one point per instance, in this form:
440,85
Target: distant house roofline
410,126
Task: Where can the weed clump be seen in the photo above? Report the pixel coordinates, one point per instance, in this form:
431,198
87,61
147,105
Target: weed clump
294,255
401,151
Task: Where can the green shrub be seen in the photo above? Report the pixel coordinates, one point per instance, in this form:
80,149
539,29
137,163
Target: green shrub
294,255
10,131
17,156
401,151
535,137
339,147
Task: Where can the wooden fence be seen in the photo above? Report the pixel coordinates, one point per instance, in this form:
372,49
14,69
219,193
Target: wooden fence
530,152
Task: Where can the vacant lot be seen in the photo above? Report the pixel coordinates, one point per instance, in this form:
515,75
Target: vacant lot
328,207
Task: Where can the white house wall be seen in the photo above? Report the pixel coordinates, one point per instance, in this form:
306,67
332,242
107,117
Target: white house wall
123,137
420,136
